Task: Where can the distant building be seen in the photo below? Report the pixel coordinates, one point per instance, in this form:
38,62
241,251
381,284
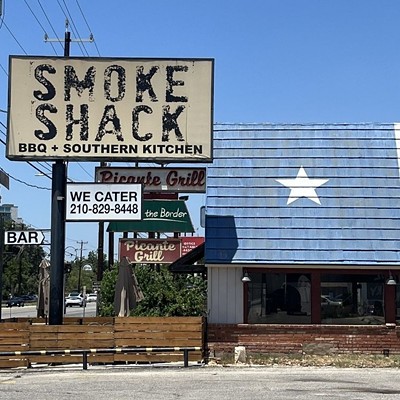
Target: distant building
10,212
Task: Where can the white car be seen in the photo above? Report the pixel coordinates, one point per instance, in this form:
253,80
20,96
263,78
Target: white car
91,297
75,300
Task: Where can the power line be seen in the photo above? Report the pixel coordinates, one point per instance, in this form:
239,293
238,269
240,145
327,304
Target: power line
1,66
87,24
2,15
69,18
23,182
88,173
51,26
37,20
76,29
19,44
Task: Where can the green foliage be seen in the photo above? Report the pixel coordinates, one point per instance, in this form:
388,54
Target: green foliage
165,294
21,269
107,290
87,277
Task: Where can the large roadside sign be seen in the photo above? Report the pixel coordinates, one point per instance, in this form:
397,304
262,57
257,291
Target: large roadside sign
102,109
103,202
24,237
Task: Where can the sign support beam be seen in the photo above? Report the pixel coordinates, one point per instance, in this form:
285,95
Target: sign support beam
56,309
58,189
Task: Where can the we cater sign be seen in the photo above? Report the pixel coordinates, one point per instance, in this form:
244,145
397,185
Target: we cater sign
105,109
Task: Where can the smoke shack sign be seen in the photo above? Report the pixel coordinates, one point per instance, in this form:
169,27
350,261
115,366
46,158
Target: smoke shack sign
150,251
110,109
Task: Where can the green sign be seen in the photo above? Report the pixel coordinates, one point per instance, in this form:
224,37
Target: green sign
157,216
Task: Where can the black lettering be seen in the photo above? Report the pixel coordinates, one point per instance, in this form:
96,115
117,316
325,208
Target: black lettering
169,123
121,82
83,121
12,237
76,196
51,90
71,81
135,123
52,130
169,96
143,83
41,148
109,116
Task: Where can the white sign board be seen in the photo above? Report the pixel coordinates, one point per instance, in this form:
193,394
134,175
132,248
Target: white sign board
103,202
24,237
107,109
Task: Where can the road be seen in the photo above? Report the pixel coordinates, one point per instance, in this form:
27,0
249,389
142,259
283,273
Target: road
171,383
31,312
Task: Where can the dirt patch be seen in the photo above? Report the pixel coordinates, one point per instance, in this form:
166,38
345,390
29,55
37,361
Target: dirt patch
340,360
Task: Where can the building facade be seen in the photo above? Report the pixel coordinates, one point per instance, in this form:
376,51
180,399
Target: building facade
310,215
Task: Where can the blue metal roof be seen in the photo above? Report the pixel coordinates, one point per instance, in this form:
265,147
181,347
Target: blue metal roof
309,194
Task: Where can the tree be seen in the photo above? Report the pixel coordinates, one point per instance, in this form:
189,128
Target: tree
21,269
86,277
165,294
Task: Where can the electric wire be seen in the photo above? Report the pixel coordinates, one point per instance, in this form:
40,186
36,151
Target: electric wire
4,70
37,20
47,164
51,25
13,36
78,36
87,24
4,13
88,173
66,13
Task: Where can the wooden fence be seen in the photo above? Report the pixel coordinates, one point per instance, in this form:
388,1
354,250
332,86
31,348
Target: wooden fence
95,332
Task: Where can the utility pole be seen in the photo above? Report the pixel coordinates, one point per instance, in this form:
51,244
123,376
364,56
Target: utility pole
100,249
58,193
80,266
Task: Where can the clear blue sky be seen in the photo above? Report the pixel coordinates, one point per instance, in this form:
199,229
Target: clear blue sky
288,61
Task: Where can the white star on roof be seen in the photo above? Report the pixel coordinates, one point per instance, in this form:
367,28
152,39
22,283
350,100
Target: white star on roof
302,186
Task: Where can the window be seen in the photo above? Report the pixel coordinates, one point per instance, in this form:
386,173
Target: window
279,298
352,299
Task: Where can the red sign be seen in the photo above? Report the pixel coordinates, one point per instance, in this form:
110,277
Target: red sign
190,242
156,179
150,251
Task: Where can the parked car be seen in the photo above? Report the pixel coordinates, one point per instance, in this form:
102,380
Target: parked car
75,300
29,297
91,297
15,302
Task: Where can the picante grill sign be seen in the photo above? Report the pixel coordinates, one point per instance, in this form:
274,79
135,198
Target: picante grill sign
110,109
150,251
100,202
156,179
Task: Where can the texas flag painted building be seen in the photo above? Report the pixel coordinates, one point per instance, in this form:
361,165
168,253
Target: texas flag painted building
305,198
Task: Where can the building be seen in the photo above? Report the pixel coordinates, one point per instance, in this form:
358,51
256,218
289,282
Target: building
311,215
10,212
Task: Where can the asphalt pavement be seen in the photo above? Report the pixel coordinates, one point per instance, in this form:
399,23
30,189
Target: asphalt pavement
199,382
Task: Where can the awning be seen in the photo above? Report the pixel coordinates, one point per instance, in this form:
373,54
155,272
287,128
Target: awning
157,216
186,264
